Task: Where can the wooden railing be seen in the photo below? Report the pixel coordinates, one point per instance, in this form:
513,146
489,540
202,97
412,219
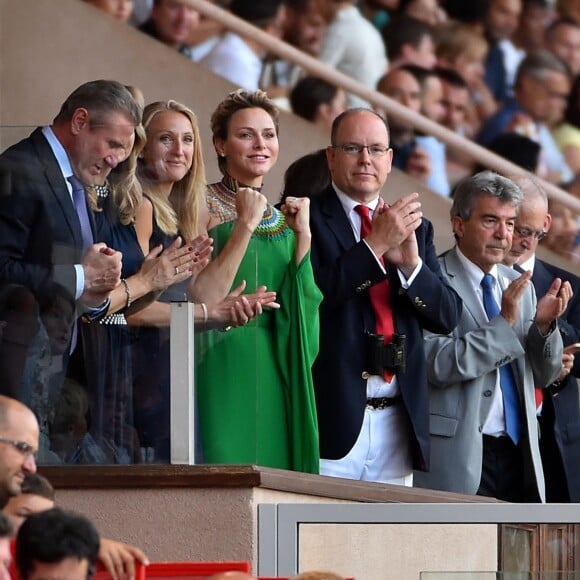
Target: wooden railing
315,67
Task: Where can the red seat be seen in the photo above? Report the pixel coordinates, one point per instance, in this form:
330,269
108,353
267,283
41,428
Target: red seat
180,570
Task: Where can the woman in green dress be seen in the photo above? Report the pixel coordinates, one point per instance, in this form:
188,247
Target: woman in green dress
254,383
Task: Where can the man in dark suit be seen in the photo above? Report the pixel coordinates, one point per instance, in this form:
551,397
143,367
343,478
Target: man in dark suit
47,252
371,395
559,404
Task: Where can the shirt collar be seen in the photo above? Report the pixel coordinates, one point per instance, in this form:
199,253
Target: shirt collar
474,273
348,204
59,152
529,264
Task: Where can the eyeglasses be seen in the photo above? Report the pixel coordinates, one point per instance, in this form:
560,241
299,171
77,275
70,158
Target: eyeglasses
22,446
527,233
357,149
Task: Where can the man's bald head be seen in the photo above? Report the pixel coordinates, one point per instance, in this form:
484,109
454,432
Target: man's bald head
233,575
11,409
532,223
19,435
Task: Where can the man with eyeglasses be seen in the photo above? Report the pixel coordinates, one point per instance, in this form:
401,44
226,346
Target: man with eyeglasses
484,434
377,268
541,90
558,406
19,434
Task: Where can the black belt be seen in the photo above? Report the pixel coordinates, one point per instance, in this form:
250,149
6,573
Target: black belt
382,402
498,443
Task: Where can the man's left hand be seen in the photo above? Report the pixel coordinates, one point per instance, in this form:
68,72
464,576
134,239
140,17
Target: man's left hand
119,559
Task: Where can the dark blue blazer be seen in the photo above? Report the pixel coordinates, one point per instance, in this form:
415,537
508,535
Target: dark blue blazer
344,271
40,233
565,398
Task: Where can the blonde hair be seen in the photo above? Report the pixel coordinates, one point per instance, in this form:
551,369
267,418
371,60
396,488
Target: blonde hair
316,575
180,213
455,39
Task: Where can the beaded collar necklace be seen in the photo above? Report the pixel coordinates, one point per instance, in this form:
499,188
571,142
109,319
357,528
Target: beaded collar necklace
222,202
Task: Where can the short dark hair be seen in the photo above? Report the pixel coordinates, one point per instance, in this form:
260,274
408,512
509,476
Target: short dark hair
101,98
419,72
451,77
53,535
402,30
537,63
236,101
308,94
470,188
258,12
340,118
563,21
307,175
6,526
572,114
36,484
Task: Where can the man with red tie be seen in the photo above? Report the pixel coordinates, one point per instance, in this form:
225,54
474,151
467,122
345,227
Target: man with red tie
376,266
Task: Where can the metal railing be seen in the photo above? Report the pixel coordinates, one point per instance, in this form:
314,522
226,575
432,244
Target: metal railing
315,67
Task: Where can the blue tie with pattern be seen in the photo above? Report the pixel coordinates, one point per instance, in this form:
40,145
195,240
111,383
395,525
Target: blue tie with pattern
511,400
80,202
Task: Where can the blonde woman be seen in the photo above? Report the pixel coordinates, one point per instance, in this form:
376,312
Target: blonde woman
172,174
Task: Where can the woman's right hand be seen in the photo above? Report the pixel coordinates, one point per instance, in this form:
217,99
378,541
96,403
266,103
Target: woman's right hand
162,268
237,309
250,207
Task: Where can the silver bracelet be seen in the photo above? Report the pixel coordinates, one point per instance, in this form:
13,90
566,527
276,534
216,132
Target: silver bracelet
204,310
127,292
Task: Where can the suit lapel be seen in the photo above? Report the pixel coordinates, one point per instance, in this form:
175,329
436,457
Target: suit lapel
459,281
57,184
541,279
336,219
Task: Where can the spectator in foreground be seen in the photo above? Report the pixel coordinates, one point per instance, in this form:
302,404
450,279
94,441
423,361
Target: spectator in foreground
57,544
37,496
6,531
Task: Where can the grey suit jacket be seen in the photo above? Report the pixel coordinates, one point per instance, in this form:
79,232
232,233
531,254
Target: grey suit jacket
462,375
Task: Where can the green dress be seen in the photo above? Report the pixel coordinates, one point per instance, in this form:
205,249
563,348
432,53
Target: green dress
254,383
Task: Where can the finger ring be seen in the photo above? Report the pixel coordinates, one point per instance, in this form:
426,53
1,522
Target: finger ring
176,270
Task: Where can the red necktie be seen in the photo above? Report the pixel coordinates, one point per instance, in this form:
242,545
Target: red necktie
380,292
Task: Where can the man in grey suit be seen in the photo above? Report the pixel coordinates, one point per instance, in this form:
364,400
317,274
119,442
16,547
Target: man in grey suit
484,434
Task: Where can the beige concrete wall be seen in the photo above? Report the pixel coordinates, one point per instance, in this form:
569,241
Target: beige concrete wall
221,524
45,53
173,524
397,551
